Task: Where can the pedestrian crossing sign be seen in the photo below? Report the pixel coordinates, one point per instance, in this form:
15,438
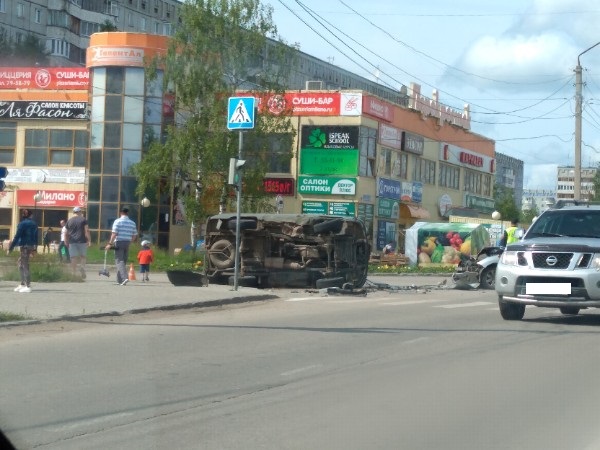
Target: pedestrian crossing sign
240,113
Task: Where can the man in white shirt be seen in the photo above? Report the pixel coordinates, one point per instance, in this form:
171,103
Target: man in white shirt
63,250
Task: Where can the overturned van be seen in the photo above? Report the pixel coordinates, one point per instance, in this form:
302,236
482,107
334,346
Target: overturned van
288,250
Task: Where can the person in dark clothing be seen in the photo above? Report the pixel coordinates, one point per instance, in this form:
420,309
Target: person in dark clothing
26,238
46,239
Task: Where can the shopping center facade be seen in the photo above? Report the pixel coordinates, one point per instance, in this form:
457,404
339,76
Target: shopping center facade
388,164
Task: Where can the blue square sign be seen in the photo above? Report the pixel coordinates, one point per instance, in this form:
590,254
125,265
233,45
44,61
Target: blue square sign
240,113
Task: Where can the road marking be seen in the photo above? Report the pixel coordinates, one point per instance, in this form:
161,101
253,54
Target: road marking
299,370
463,305
302,299
414,302
87,422
414,341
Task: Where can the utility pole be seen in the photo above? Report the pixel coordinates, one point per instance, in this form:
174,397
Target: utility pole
578,110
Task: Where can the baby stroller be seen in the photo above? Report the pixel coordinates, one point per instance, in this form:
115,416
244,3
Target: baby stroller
104,270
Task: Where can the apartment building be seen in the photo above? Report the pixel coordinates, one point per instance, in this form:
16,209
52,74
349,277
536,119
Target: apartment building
66,25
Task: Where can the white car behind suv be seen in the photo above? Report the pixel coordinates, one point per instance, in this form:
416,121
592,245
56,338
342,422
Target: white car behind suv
555,265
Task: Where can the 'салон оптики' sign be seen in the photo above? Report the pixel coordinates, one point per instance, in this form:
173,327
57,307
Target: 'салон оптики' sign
326,185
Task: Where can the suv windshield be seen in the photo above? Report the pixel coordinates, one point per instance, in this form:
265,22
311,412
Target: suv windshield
565,222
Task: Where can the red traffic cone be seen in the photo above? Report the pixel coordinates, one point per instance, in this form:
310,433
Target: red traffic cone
131,273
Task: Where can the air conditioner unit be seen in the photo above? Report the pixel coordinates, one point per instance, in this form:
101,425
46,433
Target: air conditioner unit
314,85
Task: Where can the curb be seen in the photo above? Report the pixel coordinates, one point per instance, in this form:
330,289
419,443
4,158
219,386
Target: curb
202,304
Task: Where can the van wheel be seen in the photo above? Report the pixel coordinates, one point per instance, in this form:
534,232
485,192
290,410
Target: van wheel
570,310
511,311
488,278
222,254
329,226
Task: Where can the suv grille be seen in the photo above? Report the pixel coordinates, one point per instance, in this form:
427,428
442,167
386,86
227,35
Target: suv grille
551,260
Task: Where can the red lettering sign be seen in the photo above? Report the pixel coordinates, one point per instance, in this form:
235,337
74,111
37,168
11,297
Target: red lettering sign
280,186
44,78
25,197
470,159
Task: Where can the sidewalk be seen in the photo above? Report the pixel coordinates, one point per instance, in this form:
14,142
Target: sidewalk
102,296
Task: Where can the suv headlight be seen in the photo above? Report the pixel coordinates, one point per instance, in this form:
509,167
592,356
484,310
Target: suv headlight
510,258
595,261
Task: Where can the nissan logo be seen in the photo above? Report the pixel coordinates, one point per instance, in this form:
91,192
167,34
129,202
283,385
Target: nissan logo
551,260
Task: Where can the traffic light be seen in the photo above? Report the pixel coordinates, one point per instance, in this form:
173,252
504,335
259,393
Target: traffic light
3,174
235,165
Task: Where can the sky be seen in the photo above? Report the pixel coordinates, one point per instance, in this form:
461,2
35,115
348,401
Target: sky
513,62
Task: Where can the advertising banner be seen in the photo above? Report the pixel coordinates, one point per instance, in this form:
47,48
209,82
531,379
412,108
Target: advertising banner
326,185
43,110
329,150
336,162
389,189
25,197
312,103
445,242
342,208
314,207
387,208
44,78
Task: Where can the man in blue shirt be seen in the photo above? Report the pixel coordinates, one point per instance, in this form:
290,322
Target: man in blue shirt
26,238
124,232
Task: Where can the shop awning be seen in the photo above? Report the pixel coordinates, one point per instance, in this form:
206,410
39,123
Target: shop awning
414,211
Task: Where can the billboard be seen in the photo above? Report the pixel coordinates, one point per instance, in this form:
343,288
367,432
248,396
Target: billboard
44,78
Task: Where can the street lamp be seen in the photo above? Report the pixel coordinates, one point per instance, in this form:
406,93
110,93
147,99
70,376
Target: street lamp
496,215
145,203
578,108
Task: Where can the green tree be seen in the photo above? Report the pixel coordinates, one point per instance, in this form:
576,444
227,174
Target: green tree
504,198
108,26
29,51
528,215
218,47
596,182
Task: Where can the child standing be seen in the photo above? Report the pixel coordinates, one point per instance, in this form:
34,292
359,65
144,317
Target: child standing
145,257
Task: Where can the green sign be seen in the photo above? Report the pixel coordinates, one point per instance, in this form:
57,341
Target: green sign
342,208
326,186
314,207
483,204
315,161
388,208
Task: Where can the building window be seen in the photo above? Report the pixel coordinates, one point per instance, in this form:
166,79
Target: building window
8,141
385,162
400,165
142,24
2,6
367,139
37,16
449,176
20,10
424,170
56,147
474,182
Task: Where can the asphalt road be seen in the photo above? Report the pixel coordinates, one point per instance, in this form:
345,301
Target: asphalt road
396,370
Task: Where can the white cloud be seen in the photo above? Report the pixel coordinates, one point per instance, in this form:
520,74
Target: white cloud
540,176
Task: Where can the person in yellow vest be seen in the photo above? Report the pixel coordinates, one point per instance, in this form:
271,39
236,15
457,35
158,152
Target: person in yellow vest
511,234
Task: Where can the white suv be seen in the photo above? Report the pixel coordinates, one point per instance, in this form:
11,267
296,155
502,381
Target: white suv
556,265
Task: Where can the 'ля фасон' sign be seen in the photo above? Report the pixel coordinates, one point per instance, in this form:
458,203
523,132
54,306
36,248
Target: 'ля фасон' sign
43,110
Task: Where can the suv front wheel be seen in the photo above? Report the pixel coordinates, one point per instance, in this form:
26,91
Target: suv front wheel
511,311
